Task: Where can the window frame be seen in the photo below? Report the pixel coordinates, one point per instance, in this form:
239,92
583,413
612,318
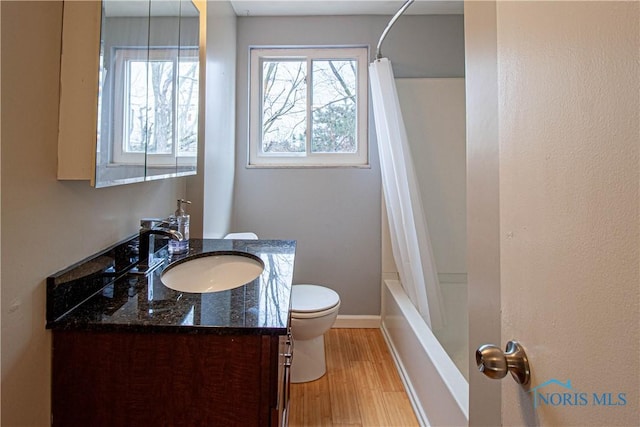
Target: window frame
257,158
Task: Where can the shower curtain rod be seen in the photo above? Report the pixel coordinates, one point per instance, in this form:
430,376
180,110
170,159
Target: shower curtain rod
389,25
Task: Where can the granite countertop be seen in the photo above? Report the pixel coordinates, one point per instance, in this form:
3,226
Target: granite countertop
101,294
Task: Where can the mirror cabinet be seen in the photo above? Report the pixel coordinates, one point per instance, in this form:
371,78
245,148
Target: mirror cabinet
141,91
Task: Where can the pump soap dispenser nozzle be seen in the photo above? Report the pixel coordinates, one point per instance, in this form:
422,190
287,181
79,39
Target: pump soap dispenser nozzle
179,221
180,210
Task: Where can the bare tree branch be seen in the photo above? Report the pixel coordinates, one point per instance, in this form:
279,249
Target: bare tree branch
340,79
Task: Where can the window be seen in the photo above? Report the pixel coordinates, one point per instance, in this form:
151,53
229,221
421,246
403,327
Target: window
156,105
308,107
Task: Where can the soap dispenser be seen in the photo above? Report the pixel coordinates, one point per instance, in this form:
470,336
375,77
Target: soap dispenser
179,221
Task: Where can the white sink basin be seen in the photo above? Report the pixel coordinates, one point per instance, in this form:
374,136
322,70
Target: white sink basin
212,272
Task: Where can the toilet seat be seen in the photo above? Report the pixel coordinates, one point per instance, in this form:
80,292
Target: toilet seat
314,314
308,301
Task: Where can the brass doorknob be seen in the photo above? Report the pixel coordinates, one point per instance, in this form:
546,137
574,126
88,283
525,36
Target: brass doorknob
495,364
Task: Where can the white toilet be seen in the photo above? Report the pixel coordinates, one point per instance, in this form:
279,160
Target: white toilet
313,310
242,236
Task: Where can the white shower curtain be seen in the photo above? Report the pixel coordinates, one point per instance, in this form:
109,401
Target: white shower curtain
410,241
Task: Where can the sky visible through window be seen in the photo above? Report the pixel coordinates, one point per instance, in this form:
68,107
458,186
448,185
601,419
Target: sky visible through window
158,116
331,109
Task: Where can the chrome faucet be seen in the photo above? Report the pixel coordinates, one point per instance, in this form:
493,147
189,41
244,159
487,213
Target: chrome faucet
150,227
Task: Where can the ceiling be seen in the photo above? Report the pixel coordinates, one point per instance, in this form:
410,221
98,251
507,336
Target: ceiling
343,7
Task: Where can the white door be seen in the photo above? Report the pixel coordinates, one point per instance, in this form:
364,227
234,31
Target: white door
553,130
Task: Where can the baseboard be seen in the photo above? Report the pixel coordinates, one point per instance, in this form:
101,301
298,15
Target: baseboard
357,321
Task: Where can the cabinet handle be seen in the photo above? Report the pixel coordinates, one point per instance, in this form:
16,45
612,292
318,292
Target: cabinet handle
288,355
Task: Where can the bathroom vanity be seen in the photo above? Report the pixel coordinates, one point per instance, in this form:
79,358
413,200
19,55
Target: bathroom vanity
128,350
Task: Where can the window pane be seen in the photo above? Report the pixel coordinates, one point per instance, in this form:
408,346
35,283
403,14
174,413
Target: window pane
284,100
334,106
187,107
136,119
160,102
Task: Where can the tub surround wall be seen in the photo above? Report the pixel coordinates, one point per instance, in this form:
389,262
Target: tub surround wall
433,111
334,213
55,223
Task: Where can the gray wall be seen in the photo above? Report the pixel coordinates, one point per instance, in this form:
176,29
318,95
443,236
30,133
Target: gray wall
47,224
334,213
212,190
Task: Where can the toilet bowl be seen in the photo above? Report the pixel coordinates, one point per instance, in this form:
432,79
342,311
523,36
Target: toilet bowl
313,311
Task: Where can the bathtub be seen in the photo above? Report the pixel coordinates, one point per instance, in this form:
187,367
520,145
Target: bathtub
438,391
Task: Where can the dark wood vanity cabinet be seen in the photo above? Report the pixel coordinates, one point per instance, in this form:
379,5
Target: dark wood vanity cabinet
169,379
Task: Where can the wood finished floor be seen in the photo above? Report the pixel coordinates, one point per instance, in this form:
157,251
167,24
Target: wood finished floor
361,387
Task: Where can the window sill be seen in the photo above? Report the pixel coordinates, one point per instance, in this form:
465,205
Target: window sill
300,166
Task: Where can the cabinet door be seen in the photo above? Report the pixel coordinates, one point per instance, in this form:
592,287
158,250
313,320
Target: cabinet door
105,379
122,93
129,91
